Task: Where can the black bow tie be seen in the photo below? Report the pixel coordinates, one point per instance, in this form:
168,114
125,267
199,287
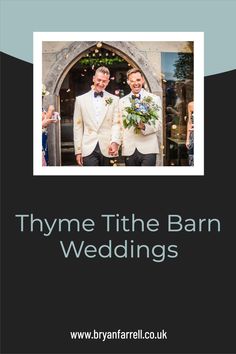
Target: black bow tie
98,94
136,97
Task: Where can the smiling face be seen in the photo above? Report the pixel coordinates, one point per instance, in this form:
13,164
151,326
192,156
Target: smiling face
135,82
100,81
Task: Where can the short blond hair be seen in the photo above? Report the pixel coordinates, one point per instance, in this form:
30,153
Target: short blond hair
104,70
134,71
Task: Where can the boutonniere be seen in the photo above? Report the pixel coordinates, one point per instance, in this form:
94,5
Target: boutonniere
108,101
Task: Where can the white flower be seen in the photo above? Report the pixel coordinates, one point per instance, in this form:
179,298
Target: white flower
44,91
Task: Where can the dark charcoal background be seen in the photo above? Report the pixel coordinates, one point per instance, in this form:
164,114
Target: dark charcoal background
45,296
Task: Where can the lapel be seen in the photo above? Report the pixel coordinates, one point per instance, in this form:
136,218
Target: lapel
145,93
125,103
90,108
104,109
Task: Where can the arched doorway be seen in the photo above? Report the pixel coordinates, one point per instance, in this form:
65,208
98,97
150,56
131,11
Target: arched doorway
78,81
71,75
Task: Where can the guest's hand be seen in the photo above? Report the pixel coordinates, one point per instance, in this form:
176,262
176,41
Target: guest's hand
47,121
51,110
113,149
79,159
49,117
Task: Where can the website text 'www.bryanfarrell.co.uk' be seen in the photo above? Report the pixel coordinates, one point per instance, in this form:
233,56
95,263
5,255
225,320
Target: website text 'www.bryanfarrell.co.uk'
119,334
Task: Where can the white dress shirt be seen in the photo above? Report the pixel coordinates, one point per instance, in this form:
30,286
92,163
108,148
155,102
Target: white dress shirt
98,105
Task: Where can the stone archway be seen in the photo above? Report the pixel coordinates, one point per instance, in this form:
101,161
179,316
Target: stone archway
67,58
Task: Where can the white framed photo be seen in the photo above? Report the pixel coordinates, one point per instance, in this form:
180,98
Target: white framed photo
172,64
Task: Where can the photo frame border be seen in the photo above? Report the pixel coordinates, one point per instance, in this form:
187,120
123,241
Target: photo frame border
196,170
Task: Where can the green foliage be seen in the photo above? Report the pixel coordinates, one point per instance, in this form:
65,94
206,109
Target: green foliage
184,66
100,61
141,111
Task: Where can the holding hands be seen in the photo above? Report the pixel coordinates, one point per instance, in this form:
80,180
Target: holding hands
113,149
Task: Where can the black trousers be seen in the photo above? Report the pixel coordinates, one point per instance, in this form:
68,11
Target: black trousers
96,158
139,159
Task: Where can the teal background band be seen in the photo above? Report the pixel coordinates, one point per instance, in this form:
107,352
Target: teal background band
19,19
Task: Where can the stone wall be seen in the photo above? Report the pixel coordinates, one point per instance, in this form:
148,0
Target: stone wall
51,51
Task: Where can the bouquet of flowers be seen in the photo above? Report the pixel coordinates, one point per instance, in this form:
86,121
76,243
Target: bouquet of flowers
44,91
141,111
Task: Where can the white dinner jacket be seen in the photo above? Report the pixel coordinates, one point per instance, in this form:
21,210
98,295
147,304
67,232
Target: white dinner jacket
148,140
87,133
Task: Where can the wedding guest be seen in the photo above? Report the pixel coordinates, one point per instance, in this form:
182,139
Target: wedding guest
96,123
190,137
48,117
140,144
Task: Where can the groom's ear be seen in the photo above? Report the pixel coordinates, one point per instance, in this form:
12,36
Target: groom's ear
128,82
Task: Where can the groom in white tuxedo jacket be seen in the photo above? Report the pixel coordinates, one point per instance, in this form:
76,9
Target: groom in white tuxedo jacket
97,130
140,149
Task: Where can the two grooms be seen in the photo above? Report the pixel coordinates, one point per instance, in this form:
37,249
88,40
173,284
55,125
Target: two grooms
100,123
